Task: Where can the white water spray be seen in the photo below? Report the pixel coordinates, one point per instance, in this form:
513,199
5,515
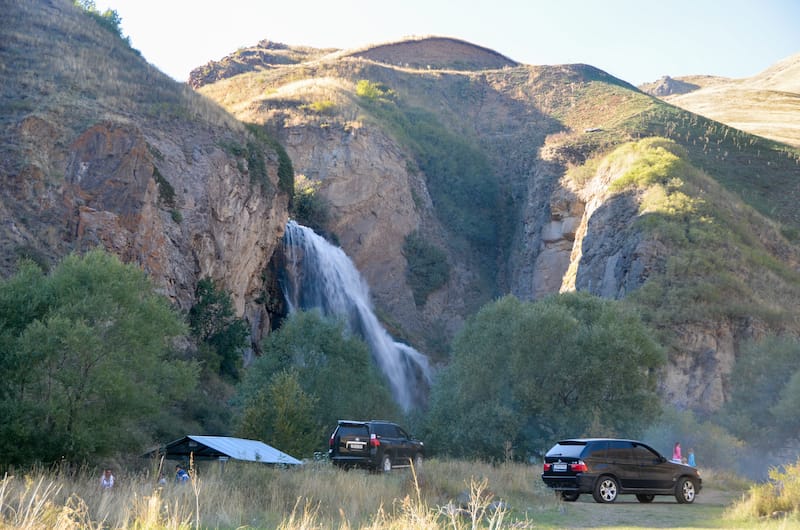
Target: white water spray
320,275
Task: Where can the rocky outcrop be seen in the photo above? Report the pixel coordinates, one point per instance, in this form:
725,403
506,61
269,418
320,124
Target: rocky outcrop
667,86
375,203
699,374
178,205
263,55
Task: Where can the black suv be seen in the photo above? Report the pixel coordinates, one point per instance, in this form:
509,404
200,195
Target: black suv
376,445
607,468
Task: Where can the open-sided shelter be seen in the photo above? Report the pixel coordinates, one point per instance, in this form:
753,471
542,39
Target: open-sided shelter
223,448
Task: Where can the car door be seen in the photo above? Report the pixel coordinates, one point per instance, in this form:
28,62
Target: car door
406,452
399,444
622,463
654,474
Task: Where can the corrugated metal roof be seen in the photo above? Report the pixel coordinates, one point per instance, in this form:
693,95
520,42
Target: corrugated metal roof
242,449
218,447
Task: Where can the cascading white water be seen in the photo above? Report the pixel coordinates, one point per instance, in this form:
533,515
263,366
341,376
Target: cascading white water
320,275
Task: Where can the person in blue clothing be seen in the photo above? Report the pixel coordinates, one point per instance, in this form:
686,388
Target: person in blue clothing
181,476
690,458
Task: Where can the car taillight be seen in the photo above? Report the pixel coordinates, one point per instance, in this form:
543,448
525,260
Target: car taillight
547,467
330,442
373,441
579,467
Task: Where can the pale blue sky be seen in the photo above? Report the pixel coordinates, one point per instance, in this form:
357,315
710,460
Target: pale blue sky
635,40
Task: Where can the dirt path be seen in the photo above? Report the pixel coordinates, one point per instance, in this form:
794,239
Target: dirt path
664,512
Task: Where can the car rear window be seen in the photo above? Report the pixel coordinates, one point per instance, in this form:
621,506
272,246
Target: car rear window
353,430
570,449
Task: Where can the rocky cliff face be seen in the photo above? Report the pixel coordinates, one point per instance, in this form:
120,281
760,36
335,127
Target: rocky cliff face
185,214
170,194
375,203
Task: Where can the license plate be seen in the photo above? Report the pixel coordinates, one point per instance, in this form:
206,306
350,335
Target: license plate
358,446
559,467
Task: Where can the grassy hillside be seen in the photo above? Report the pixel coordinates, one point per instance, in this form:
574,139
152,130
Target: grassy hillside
767,104
762,173
57,59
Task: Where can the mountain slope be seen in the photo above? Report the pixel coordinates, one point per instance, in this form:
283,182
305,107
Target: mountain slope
767,104
101,149
429,155
511,172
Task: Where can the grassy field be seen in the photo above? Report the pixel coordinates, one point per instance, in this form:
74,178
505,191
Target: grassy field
443,494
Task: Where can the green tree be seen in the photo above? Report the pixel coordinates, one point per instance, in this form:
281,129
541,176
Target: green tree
427,270
333,368
88,360
308,207
223,337
108,19
765,393
524,374
283,414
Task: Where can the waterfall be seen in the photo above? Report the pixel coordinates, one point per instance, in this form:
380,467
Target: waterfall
320,275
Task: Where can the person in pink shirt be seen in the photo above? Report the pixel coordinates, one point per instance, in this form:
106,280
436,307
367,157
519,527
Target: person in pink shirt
676,452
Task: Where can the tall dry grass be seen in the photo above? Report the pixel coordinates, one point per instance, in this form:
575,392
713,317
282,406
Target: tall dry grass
777,498
442,494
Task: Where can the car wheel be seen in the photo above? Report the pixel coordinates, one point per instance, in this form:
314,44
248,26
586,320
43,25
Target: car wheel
644,497
386,464
570,496
418,461
685,491
606,489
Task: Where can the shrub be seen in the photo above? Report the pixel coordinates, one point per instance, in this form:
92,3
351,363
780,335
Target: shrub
308,207
326,107
373,91
108,19
166,193
427,270
780,495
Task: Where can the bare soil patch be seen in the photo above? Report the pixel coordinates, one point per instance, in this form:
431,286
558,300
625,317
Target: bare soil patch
663,512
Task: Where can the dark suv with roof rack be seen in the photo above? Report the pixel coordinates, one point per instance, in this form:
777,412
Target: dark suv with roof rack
376,445
608,467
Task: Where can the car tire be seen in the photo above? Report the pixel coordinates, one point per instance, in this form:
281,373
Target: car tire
645,497
606,489
386,464
417,462
685,491
570,496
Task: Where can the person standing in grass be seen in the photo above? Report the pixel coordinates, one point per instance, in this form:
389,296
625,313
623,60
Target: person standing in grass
181,476
676,453
107,480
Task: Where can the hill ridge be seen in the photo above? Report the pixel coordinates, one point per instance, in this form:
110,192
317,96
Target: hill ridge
425,52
